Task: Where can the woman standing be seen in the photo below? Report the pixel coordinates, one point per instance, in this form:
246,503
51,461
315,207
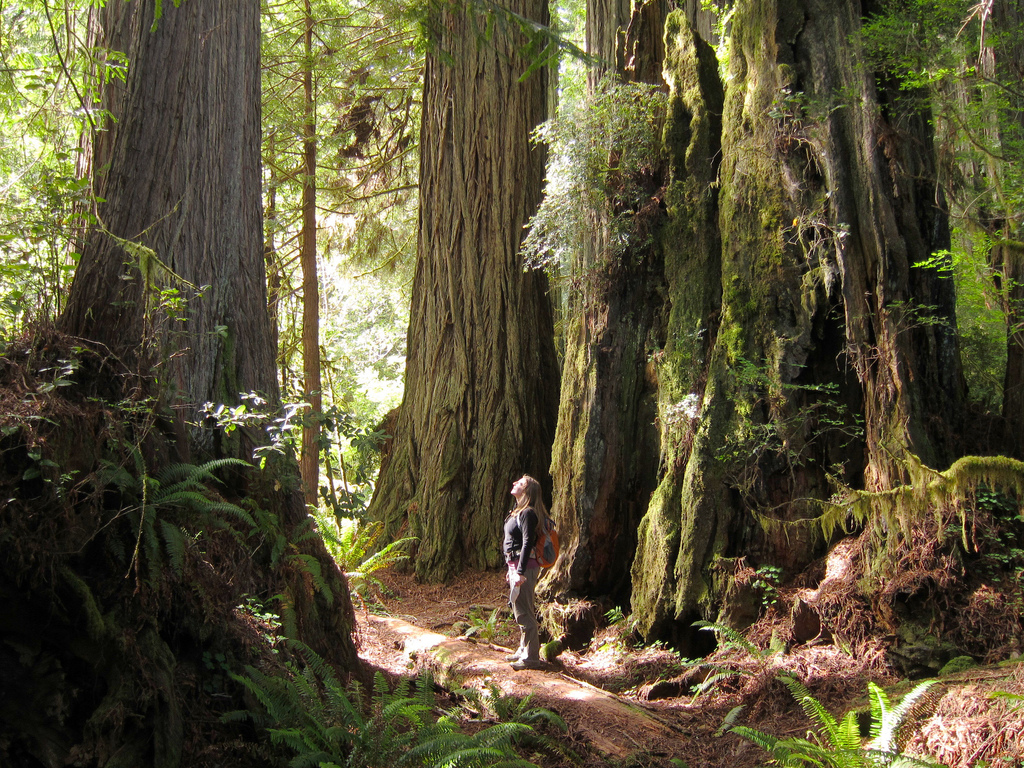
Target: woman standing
521,529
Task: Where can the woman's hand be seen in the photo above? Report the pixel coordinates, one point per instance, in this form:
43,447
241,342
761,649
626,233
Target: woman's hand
520,579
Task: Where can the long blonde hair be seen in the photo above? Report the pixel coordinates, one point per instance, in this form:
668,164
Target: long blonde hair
534,498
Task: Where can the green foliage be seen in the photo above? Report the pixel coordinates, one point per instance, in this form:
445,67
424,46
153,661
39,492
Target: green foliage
981,321
961,63
356,448
327,724
767,583
487,626
602,155
44,75
361,116
178,488
354,546
492,703
625,629
838,742
722,12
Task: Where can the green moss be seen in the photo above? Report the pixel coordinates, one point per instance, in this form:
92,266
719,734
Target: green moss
657,544
956,665
95,625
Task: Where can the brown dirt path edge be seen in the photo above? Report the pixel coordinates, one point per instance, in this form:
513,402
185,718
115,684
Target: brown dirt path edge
611,726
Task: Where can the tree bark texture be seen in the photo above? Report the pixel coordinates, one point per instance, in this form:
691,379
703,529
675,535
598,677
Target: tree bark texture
309,459
602,465
692,255
481,373
184,182
827,200
1007,258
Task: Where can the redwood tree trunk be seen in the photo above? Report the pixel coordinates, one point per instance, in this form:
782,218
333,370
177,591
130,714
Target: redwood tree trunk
183,181
181,219
481,374
602,466
825,206
692,249
309,460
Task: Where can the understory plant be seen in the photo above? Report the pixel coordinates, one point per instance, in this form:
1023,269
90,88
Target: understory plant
718,672
330,725
354,546
160,501
838,742
491,704
487,626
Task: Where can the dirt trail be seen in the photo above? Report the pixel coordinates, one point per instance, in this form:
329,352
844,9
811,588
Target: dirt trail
608,724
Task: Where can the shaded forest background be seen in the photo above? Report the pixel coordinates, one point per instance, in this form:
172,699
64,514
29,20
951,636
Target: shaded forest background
740,283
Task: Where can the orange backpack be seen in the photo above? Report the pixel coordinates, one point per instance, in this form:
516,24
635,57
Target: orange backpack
546,549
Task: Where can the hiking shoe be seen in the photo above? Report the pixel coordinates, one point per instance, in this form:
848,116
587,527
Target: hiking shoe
513,657
528,664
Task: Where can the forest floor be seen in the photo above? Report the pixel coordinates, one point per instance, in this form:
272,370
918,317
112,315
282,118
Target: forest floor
627,705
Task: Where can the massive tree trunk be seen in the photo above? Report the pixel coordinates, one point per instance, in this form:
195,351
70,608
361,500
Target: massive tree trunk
827,201
481,374
692,254
133,588
602,464
184,183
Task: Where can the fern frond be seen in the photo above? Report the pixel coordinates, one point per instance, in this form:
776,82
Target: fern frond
713,680
887,721
471,756
729,720
432,748
380,686
315,661
813,709
501,735
197,474
542,715
388,556
424,689
731,636
174,540
180,499
848,733
764,740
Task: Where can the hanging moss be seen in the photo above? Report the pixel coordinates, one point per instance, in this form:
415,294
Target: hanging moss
930,493
933,492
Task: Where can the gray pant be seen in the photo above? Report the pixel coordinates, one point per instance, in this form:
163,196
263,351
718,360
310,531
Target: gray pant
526,615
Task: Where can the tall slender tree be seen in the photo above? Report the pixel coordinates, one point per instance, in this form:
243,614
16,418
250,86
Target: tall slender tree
340,117
481,373
309,459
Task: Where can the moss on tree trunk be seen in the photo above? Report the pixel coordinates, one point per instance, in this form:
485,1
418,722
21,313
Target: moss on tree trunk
692,248
601,464
826,203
